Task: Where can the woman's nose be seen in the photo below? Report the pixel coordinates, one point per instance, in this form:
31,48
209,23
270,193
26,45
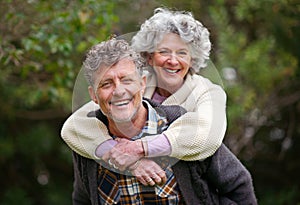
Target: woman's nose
173,59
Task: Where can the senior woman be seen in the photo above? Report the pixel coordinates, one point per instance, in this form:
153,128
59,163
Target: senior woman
176,46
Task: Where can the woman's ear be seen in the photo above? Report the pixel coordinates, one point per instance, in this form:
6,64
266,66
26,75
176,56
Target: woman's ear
92,94
150,59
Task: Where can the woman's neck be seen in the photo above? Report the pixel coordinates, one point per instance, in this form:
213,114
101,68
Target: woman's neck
163,92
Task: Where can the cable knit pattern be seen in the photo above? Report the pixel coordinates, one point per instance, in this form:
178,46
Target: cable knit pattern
194,136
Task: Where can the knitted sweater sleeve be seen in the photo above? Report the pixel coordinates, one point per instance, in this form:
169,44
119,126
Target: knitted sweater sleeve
199,133
83,132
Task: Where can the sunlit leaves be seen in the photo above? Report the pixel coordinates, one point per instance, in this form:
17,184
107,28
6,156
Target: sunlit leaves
45,55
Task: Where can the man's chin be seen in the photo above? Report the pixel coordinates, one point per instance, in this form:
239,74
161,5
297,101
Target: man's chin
124,116
121,118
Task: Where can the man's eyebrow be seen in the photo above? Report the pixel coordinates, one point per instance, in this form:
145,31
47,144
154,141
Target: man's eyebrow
132,75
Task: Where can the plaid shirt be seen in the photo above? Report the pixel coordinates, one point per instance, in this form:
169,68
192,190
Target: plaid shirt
115,188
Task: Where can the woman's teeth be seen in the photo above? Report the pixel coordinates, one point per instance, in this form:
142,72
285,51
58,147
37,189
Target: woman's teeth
171,71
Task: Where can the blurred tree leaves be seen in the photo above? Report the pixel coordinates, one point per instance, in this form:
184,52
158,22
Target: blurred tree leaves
42,44
256,50
258,39
41,47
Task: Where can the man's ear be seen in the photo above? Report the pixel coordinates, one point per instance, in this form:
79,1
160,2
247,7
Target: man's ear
92,94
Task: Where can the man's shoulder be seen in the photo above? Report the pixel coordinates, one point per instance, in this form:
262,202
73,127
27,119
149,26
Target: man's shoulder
82,161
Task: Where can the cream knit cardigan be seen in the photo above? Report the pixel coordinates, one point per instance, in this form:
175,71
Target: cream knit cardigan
194,136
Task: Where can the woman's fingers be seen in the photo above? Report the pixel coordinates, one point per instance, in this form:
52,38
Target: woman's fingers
149,173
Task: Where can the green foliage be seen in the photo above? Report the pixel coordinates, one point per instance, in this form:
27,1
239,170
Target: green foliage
16,196
263,98
41,47
285,196
257,43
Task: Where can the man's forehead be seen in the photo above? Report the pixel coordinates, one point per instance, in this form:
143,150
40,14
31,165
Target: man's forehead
125,63
125,66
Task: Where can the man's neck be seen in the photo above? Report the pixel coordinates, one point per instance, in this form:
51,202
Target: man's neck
131,128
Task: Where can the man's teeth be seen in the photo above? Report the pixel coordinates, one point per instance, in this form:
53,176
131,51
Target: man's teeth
120,103
171,71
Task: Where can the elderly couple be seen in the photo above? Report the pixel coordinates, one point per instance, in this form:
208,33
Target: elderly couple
155,137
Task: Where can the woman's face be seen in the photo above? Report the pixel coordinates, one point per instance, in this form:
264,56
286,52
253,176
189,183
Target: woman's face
170,61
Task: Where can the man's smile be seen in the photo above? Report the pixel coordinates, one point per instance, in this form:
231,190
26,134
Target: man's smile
120,102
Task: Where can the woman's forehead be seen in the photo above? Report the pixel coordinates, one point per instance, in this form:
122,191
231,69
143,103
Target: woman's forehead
172,40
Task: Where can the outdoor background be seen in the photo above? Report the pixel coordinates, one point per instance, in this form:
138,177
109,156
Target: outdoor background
256,50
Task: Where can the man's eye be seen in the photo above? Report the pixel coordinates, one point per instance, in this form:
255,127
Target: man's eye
105,85
127,80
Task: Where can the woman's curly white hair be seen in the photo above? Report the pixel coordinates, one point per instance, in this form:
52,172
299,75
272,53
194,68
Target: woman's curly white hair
191,31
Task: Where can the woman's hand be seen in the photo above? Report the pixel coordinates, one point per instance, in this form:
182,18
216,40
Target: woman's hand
124,154
148,172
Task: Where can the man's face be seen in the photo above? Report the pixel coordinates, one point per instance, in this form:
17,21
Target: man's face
118,91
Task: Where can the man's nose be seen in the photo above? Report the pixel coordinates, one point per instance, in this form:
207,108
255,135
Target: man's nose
119,89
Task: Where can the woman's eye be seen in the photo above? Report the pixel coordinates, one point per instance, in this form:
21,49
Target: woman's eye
182,53
164,52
